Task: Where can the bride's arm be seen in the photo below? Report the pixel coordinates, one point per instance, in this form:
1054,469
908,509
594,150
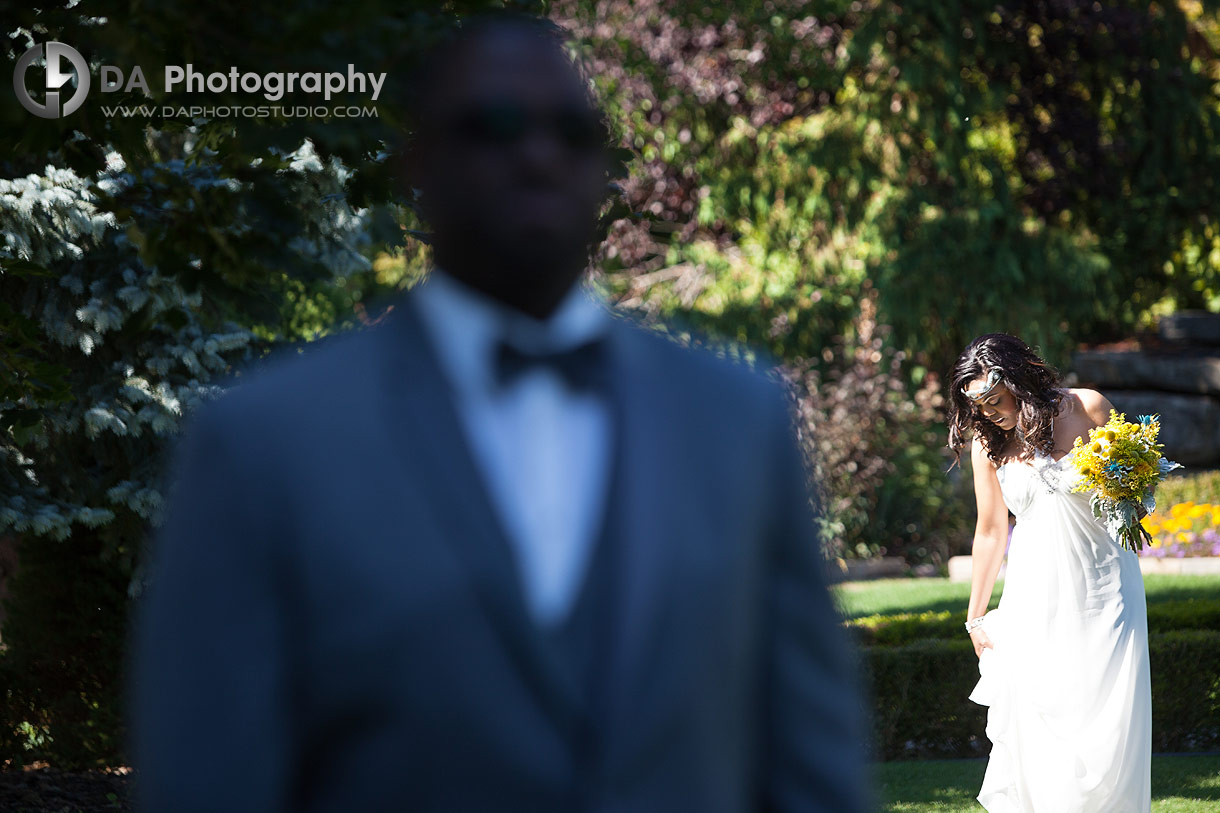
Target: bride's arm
990,539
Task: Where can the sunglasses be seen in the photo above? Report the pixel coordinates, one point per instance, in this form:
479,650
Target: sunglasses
503,124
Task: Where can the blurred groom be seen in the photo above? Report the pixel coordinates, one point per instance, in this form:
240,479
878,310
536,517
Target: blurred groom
503,551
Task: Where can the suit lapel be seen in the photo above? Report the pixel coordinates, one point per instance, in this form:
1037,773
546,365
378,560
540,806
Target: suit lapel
636,525
424,424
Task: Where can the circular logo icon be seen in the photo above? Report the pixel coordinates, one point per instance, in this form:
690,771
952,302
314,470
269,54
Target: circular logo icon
54,53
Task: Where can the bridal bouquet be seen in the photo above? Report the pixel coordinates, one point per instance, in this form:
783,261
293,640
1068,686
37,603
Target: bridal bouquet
1121,463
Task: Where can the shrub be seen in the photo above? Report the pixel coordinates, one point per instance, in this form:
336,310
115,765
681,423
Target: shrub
920,696
1196,487
64,644
920,702
1191,614
1185,690
905,628
878,454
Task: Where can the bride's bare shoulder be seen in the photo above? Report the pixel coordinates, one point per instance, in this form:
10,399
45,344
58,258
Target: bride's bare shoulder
1094,404
980,456
978,453
985,477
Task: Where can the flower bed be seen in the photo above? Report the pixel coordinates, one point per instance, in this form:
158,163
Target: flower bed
1186,529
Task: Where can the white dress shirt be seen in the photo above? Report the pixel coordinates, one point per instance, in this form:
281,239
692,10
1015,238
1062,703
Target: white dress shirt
544,449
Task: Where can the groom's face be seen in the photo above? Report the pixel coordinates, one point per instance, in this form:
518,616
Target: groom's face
512,165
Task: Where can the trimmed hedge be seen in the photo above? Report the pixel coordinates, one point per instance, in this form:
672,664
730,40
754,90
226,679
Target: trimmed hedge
921,707
1185,690
906,628
1196,486
919,699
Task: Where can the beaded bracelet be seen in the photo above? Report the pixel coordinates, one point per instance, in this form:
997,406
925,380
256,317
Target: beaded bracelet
974,624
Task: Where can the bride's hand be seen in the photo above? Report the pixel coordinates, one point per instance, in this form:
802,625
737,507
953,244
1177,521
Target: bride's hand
980,641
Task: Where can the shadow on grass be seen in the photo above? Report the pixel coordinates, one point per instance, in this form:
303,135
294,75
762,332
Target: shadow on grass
952,784
1194,777
939,782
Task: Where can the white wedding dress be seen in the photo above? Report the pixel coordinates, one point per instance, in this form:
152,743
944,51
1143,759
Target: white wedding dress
1067,682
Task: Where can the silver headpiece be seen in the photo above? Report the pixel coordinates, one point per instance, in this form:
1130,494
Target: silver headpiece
993,378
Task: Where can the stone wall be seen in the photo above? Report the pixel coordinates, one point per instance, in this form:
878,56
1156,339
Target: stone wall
1177,376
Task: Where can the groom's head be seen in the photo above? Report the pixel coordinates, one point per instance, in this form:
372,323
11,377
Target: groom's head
509,152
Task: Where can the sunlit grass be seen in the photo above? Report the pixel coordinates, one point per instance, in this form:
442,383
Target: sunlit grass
889,596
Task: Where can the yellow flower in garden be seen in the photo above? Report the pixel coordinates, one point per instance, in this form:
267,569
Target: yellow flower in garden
1182,523
1181,509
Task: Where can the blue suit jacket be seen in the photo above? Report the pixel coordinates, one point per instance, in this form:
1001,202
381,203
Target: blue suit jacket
335,622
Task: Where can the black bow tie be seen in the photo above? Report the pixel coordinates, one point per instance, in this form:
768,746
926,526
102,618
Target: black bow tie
582,366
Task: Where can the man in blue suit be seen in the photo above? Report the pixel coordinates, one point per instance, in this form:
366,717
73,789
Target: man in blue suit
505,550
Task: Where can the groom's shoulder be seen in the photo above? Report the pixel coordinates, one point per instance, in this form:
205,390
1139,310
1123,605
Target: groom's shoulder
294,382
717,372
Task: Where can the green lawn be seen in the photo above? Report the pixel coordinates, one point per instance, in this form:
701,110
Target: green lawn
887,596
1180,784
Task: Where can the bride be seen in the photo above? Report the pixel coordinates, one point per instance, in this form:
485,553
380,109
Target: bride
1063,659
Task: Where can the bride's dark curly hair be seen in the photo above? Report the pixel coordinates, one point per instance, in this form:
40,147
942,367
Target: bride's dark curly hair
1032,381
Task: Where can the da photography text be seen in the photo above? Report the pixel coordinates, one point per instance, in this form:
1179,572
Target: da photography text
272,86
